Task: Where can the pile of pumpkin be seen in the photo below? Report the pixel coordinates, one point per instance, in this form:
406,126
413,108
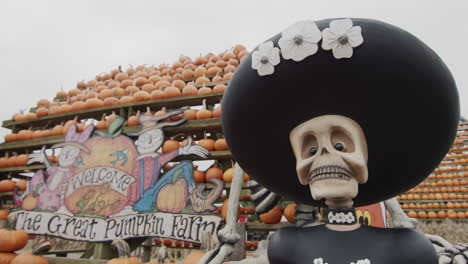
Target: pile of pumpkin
14,240
105,121
452,214
143,83
19,160
9,185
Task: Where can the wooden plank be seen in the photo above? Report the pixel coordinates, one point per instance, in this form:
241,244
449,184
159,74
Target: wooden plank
239,247
215,155
61,260
211,124
96,113
265,227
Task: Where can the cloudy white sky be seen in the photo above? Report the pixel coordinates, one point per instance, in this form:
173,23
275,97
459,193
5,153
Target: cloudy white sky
46,45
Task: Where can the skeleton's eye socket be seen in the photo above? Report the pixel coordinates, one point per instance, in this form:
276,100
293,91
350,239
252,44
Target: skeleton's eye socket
339,146
313,150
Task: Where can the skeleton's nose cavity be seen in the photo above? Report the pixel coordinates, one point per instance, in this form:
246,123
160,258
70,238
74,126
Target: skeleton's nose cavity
324,151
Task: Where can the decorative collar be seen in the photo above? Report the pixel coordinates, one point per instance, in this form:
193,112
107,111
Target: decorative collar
342,216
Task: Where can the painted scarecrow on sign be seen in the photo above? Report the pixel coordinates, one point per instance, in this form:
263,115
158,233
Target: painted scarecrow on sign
150,139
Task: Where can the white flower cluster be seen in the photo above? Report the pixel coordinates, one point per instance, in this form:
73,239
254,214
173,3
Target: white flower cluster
362,261
300,41
319,261
340,218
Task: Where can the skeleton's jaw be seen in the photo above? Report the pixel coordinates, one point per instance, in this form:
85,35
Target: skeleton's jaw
337,190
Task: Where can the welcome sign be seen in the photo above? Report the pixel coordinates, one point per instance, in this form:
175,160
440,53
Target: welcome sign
108,187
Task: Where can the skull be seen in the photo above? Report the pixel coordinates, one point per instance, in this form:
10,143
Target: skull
331,156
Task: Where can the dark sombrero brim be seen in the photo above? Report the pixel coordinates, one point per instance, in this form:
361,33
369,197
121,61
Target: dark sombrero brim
74,144
394,86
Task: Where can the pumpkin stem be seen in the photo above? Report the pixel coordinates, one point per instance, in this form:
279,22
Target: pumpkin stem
204,102
122,247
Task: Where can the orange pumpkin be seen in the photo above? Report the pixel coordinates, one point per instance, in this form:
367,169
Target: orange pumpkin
172,197
7,257
213,173
22,184
207,143
170,145
12,240
221,144
290,213
194,257
228,175
7,186
273,216
199,176
27,258
30,203
4,214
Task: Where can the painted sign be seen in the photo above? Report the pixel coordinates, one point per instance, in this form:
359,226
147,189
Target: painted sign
107,187
372,215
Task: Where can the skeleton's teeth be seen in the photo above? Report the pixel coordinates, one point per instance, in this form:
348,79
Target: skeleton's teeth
330,172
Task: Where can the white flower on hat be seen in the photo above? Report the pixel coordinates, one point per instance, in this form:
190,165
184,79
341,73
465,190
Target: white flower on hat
265,58
319,261
362,261
341,37
299,40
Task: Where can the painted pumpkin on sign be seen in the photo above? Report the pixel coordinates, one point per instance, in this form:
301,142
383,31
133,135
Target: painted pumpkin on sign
172,198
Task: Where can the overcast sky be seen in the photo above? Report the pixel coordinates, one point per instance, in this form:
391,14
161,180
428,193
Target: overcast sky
45,45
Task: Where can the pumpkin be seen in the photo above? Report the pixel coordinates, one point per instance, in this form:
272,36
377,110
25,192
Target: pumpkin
173,196
207,143
194,257
187,74
25,134
290,213
228,175
273,216
190,114
162,84
189,89
4,214
221,144
199,176
11,137
133,120
126,99
22,184
7,257
30,202
27,258
131,90
21,160
12,240
42,112
229,68
124,254
219,88
142,96
121,76
213,70
202,80
204,113
170,145
204,90
213,173
7,186
172,92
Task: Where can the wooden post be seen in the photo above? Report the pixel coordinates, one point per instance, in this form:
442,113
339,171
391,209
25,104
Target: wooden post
103,250
147,246
239,248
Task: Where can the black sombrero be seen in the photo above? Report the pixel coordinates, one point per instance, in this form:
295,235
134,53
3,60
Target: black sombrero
394,86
